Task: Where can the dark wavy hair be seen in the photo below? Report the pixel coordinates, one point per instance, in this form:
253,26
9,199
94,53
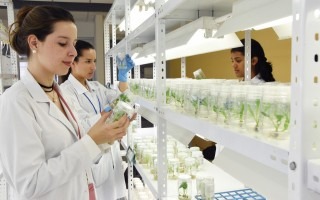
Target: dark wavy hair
38,20
80,46
263,67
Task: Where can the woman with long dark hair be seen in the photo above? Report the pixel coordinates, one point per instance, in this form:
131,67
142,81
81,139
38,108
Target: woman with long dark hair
261,68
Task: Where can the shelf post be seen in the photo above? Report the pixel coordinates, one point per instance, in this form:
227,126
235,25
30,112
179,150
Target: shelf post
160,66
183,67
247,51
305,99
107,61
114,43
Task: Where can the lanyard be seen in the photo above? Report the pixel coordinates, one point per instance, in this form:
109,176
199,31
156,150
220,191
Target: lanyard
95,110
66,105
91,189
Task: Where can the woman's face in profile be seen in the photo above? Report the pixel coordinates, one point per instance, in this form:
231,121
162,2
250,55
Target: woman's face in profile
237,60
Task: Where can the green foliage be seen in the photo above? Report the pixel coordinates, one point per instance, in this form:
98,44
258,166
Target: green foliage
184,185
277,119
118,115
123,97
255,111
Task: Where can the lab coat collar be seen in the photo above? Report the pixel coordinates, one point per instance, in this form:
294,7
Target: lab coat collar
79,87
257,79
34,88
40,96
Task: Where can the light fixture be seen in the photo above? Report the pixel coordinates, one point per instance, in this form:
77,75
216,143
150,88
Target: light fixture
192,39
248,14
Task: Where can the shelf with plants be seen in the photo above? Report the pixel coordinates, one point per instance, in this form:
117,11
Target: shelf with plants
226,182
273,153
304,106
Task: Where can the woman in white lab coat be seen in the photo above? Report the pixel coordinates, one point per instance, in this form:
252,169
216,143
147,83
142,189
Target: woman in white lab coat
261,68
91,97
44,151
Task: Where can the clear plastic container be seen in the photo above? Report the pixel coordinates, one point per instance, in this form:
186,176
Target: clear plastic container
205,186
121,61
198,156
184,187
253,106
120,109
275,114
173,167
198,74
190,166
237,107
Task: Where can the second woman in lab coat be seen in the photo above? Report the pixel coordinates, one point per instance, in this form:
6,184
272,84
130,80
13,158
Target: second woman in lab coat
90,98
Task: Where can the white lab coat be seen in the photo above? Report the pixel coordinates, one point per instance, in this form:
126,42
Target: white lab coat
41,155
257,80
109,179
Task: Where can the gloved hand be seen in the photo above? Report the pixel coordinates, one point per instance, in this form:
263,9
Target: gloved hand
122,72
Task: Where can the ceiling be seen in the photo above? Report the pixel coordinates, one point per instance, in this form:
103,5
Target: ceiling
82,10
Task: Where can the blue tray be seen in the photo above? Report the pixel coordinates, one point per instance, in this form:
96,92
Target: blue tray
245,194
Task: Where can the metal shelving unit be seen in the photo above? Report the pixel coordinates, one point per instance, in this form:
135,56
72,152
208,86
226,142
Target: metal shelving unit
284,170
8,73
8,76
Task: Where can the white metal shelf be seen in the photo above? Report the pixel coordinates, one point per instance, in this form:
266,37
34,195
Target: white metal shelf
304,116
174,12
224,181
272,153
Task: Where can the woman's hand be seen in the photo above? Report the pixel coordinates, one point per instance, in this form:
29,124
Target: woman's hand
101,132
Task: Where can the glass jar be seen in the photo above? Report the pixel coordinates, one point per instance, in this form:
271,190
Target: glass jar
191,100
224,105
121,61
237,107
204,99
184,187
214,94
173,167
181,157
200,184
253,106
275,112
205,186
190,166
198,156
121,108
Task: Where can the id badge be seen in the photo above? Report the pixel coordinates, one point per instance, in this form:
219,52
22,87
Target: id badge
131,156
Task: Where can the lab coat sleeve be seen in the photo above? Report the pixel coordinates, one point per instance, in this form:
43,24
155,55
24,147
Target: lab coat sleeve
102,166
23,154
87,120
108,94
101,171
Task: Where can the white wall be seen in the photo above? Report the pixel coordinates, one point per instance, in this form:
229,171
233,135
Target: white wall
86,29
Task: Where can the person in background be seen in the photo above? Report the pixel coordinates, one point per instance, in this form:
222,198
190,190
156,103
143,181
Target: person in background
90,98
261,69
44,151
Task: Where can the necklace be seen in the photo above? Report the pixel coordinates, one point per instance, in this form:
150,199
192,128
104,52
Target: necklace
46,88
53,96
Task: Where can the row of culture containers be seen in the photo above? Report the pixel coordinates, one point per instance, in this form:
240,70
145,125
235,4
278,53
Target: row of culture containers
263,110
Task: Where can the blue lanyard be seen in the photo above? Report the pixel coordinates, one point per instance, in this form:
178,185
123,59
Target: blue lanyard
92,103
